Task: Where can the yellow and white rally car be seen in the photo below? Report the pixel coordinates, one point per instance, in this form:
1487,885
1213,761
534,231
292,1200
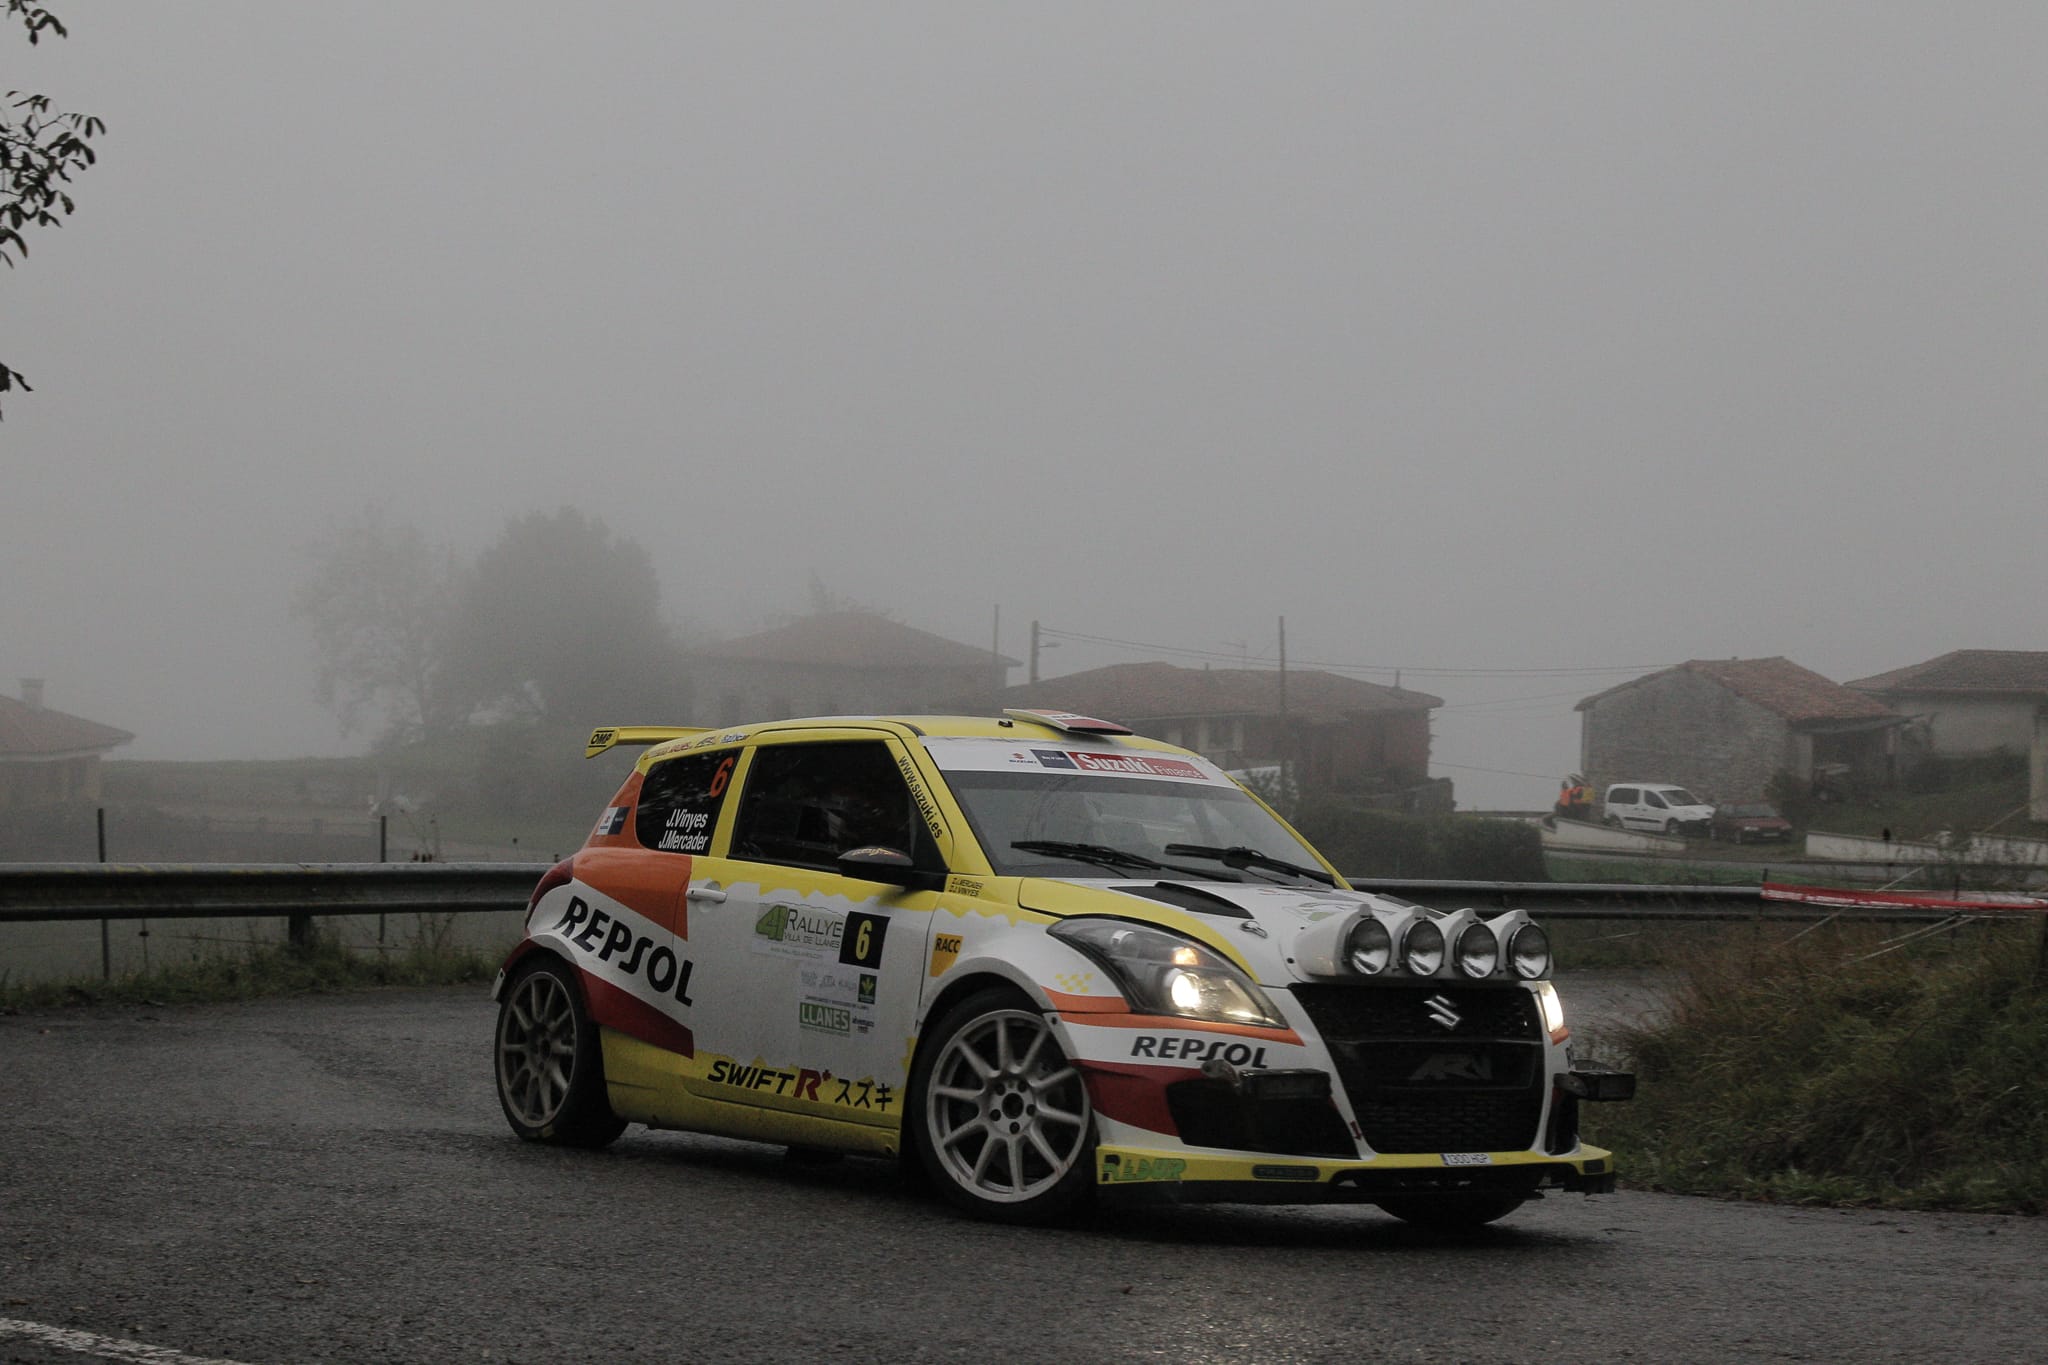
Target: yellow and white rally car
1042,957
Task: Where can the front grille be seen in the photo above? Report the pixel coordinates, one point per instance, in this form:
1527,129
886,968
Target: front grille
1435,1066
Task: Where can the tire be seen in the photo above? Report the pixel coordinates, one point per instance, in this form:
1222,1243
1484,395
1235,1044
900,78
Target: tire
548,1062
1451,1213
1674,829
1000,1117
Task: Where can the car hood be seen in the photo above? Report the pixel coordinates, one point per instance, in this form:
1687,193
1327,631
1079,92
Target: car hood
1256,923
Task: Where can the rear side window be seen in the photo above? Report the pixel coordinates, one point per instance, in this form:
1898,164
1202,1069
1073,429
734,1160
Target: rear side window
679,801
808,803
1622,796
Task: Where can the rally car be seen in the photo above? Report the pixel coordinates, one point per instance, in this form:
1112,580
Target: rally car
1043,958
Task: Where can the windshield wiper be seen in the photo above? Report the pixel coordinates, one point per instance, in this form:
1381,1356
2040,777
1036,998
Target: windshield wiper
1100,854
1239,858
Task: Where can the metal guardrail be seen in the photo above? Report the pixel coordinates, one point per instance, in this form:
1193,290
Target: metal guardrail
45,892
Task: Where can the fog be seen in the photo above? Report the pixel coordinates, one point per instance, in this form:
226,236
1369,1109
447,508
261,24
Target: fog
1519,348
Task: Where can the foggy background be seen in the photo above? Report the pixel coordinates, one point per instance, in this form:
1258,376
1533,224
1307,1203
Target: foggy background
1523,349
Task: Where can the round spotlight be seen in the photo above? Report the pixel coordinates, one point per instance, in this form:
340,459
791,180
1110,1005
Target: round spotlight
1368,948
1422,948
1478,950
1529,949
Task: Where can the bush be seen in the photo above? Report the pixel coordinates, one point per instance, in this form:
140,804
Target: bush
1810,1071
1374,843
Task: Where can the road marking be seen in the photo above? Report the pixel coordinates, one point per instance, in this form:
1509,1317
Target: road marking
106,1348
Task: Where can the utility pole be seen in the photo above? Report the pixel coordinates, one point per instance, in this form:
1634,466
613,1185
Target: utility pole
1286,739
1034,649
995,661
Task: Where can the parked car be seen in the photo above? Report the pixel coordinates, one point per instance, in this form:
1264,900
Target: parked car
1045,959
1657,806
1745,822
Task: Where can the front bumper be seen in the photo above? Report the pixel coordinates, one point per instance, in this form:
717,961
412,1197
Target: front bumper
1136,1175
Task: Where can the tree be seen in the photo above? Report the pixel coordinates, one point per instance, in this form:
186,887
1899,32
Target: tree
561,620
41,149
379,600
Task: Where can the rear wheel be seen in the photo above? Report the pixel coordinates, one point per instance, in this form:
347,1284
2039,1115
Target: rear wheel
1001,1117
550,1068
1451,1213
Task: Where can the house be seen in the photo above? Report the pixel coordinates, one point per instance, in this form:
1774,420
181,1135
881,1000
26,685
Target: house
1970,701
48,758
1335,733
841,663
1726,727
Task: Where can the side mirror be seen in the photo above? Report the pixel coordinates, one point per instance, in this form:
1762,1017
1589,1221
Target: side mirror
876,863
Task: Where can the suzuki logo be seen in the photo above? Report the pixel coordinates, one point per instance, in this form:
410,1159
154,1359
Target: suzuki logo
1443,1011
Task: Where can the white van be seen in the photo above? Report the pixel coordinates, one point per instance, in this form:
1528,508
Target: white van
1656,806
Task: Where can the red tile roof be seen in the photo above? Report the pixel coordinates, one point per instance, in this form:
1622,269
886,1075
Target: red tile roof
1160,691
2005,671
852,639
1799,695
38,732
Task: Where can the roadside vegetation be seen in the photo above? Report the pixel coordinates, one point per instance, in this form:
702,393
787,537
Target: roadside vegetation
1831,1066
266,970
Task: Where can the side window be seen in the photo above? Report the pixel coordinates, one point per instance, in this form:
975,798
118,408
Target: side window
808,803
1653,801
679,801
1622,796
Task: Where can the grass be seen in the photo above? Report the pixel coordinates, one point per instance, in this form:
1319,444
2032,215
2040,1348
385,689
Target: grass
1825,1068
267,970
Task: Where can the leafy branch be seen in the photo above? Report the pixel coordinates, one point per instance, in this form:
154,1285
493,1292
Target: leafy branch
41,149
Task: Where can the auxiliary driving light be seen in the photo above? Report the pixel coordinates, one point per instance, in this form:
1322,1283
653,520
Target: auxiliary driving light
1422,948
1478,950
1368,948
1529,950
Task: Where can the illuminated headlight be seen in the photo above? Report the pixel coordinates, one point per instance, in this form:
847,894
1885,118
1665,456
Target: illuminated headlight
1529,950
1478,950
1552,1007
1422,948
1163,973
1368,948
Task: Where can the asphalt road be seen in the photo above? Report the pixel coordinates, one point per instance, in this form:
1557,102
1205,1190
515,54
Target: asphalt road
329,1179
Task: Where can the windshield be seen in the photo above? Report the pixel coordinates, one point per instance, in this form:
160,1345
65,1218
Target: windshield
1132,815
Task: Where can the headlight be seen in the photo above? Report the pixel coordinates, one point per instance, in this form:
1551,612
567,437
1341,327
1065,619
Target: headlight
1163,973
1529,950
1368,948
1422,948
1553,1008
1478,950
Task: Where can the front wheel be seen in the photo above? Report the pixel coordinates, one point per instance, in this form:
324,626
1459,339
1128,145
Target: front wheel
1001,1118
549,1065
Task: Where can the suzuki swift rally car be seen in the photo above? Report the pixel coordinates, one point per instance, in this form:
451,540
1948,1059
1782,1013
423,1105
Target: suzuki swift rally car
1041,957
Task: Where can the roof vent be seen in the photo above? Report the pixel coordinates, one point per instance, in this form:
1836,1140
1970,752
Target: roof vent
1069,722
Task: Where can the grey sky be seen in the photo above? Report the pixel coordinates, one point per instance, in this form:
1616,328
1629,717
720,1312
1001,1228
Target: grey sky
1466,337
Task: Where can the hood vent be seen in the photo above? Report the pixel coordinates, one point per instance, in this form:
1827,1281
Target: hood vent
1188,898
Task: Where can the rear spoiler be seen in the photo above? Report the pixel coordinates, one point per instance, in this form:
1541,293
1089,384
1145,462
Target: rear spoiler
612,736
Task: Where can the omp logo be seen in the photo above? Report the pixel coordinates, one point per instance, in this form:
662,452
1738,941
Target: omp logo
1453,1066
1443,1010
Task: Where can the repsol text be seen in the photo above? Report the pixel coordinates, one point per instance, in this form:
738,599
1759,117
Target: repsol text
637,954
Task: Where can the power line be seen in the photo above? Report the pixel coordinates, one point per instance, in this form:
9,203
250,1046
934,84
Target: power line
1181,651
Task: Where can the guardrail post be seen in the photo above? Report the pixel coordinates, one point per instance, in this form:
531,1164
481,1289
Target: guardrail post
106,941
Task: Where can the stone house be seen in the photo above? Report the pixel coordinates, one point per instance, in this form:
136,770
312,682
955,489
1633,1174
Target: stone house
1725,727
1969,701
1335,733
48,758
841,663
